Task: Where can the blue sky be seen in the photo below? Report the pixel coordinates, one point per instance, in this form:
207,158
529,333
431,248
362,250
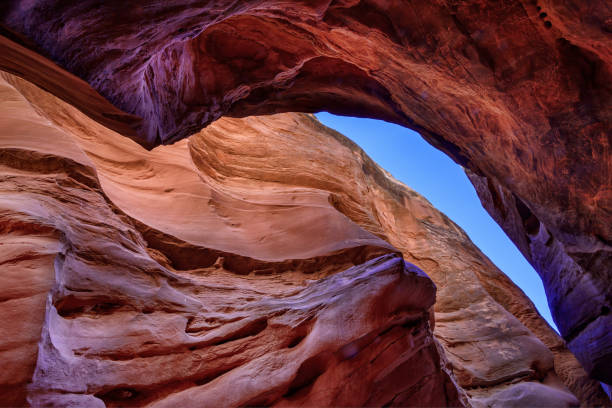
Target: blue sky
430,172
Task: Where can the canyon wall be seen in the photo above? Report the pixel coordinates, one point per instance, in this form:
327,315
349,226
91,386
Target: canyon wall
516,91
260,262
102,309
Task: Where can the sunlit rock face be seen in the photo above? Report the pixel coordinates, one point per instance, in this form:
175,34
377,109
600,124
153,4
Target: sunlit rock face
130,280
257,263
516,91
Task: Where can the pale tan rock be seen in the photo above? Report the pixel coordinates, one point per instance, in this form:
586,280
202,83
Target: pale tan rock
124,327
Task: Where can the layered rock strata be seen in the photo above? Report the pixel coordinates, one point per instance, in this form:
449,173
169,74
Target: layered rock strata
517,91
135,316
589,339
242,267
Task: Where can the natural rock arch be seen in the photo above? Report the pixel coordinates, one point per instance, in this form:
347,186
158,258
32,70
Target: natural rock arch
518,92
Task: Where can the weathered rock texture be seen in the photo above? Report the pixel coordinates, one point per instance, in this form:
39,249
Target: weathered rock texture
257,263
517,91
590,340
136,315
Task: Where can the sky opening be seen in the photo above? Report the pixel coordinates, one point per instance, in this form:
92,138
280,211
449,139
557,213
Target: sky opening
416,163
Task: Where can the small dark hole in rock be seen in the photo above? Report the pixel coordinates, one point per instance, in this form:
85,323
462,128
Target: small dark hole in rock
204,380
542,15
411,323
105,307
297,340
538,8
70,312
212,376
547,24
605,310
307,374
119,394
252,329
530,221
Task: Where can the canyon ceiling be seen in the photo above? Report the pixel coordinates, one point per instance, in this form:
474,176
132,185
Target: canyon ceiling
259,261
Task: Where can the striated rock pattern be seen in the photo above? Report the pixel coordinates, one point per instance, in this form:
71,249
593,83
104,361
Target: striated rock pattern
135,316
257,263
589,339
517,91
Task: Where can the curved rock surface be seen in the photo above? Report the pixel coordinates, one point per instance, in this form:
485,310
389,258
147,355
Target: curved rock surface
257,263
135,316
517,91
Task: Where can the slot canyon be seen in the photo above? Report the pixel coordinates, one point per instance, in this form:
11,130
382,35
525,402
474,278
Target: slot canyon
177,229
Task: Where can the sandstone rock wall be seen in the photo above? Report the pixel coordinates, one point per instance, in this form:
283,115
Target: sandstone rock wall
517,91
96,314
256,263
